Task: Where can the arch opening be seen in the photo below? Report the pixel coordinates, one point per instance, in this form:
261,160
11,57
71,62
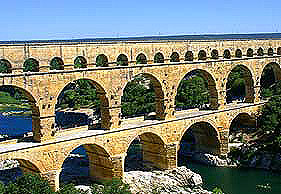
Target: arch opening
279,51
202,55
143,96
240,85
146,152
226,54
31,65
270,52
5,66
102,61
141,59
197,90
175,57
159,58
82,102
199,138
19,114
260,52
80,62
242,126
271,75
250,52
86,164
214,54
15,168
122,60
188,56
57,64
238,53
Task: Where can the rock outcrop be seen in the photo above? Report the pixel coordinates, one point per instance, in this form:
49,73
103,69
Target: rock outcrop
178,180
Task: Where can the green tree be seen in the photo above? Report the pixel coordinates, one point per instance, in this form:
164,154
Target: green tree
31,184
101,61
158,58
236,84
192,92
31,65
114,186
122,60
138,97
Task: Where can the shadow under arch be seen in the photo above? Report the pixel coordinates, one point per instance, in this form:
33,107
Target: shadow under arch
101,109
152,83
210,84
86,163
242,77
141,59
146,152
20,167
200,137
31,101
241,123
271,75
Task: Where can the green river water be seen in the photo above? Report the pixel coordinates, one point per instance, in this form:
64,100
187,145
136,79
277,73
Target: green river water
237,180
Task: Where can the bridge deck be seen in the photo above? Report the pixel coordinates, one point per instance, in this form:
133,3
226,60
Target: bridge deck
127,124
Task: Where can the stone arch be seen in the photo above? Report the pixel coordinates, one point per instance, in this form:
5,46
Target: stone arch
260,52
31,65
238,53
188,56
153,151
270,75
5,66
242,118
80,62
212,88
100,161
226,54
250,52
159,58
249,83
279,51
214,54
101,94
207,138
270,52
159,93
175,57
57,64
36,128
122,60
202,55
141,59
102,60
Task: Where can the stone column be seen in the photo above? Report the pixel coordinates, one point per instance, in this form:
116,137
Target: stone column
53,178
159,155
223,141
43,128
221,99
118,165
257,94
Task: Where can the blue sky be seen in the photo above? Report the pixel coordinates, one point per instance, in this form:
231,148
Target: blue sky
66,19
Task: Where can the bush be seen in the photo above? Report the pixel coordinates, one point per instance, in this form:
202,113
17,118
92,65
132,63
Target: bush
114,186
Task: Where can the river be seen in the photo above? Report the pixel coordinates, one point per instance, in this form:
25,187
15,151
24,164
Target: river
231,180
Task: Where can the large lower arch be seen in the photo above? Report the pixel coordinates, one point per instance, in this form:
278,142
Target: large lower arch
131,94
271,75
200,137
146,152
96,159
31,101
209,83
101,106
240,85
19,167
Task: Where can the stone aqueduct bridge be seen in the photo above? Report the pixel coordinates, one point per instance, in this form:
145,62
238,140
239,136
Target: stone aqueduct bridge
161,138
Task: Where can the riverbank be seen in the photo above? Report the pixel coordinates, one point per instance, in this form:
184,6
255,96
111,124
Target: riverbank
15,110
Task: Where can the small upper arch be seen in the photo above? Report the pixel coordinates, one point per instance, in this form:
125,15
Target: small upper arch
250,52
260,52
57,64
141,59
80,62
102,60
238,53
175,57
214,54
202,55
279,51
122,60
159,58
270,52
188,56
5,66
31,65
226,54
